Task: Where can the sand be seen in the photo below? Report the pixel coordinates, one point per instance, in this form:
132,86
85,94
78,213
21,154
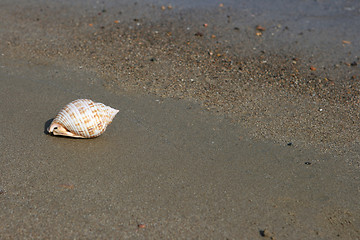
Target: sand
222,133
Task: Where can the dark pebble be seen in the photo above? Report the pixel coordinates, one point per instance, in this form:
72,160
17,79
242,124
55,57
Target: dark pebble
353,64
307,163
199,34
266,233
289,144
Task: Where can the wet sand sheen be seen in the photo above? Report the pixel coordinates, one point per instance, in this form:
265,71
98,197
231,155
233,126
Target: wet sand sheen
167,164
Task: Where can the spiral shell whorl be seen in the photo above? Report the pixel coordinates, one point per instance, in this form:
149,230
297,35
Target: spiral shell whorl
85,118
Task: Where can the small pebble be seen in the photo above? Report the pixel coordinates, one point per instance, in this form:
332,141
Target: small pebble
307,163
141,226
289,144
260,28
266,233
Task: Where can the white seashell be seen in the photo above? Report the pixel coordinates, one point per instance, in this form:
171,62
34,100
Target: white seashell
82,118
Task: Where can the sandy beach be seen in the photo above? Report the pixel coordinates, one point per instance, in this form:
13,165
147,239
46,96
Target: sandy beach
236,120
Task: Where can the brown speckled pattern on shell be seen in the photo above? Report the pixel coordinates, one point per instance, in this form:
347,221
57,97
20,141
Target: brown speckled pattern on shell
85,118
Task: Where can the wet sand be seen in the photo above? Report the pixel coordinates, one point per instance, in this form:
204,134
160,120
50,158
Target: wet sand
218,137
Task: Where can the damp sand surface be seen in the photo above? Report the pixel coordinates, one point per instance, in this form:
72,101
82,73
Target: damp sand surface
224,130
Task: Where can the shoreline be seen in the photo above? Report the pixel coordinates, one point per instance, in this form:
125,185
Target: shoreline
257,83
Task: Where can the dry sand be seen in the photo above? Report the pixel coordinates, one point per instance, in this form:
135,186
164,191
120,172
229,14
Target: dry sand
221,134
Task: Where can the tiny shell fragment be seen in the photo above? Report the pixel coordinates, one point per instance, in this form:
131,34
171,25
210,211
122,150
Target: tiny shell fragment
67,186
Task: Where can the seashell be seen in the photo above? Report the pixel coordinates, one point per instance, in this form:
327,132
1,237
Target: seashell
82,118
